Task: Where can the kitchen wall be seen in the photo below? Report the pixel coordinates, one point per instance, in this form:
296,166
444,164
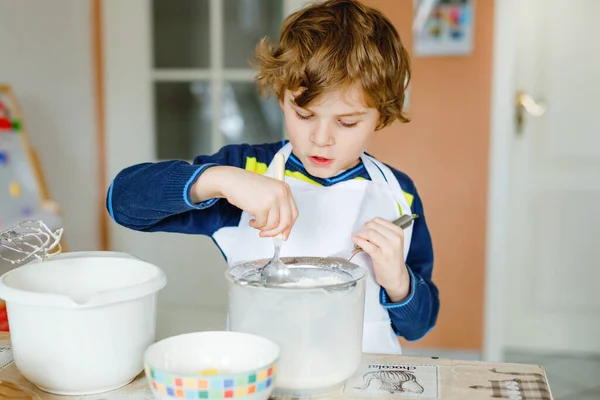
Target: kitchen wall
46,56
445,150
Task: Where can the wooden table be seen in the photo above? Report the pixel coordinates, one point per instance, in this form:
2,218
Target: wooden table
379,377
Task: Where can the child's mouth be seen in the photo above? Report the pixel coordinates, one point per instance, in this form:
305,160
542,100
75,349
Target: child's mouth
320,161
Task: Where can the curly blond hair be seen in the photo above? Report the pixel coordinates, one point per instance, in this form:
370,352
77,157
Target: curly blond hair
335,44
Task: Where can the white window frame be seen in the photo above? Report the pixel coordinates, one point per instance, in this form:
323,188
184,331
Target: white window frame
129,77
216,74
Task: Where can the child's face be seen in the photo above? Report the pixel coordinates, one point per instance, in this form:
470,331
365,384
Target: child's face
330,135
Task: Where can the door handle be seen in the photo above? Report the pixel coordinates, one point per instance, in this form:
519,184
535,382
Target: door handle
525,103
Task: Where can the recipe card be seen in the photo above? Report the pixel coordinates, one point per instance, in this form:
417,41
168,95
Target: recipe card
411,381
6,356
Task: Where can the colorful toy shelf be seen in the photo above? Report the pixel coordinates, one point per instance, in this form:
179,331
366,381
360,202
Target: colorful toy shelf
23,191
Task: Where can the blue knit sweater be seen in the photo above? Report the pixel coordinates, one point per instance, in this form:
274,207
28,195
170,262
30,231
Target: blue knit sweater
155,197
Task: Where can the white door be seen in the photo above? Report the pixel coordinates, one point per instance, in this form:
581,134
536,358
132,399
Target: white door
178,84
553,291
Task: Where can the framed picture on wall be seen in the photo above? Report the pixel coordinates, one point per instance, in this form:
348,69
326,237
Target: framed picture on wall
443,27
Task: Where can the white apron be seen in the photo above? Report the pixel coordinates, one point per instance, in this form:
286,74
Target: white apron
328,218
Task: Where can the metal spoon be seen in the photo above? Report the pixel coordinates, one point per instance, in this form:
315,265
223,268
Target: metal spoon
275,271
403,222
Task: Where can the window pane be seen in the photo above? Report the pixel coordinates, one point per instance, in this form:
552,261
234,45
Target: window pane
181,33
246,22
248,118
183,119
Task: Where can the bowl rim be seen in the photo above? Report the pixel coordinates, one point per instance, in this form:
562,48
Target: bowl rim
271,363
357,273
109,297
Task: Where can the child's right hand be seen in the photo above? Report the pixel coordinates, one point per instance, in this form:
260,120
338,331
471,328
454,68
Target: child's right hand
270,201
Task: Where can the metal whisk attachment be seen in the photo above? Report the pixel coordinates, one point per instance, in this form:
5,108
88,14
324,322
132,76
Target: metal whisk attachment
29,240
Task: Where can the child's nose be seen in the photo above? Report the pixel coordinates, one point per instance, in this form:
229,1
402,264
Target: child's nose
322,136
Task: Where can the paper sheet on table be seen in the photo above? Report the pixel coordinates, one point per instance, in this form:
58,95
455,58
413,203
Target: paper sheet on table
6,356
379,380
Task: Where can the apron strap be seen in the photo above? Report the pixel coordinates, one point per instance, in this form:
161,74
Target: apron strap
378,172
375,172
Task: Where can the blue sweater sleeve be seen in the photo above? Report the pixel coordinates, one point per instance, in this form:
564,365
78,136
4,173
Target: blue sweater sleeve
156,196
414,317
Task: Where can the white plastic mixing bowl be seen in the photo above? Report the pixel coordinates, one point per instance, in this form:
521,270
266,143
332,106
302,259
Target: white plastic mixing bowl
80,322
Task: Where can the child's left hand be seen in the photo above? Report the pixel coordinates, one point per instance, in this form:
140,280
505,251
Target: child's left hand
384,242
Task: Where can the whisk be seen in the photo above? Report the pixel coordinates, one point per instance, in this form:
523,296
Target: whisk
29,240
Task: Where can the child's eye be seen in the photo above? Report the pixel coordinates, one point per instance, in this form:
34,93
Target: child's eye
305,117
348,124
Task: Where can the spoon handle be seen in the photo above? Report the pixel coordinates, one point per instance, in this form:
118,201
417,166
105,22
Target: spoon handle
403,222
279,174
279,167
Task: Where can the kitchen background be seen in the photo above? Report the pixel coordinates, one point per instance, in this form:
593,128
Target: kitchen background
512,208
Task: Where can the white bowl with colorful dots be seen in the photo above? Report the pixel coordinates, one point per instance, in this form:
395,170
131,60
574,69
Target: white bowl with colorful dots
212,365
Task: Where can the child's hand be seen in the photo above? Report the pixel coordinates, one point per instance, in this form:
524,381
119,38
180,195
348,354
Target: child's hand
270,201
384,242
